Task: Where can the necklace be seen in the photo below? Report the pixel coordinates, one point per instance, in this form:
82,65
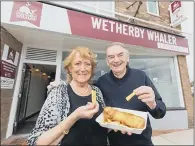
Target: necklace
84,93
81,93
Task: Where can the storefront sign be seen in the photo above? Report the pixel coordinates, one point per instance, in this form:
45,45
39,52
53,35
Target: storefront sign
176,13
27,11
8,67
88,25
110,30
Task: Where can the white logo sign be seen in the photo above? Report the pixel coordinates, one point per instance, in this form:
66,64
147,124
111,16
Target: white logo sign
176,13
25,12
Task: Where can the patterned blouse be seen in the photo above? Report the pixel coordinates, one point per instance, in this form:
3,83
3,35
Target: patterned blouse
55,109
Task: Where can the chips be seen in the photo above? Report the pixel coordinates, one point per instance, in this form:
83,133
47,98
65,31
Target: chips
93,96
130,96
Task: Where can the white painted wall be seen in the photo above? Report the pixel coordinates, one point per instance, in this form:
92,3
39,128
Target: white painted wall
188,26
55,18
37,92
51,16
91,6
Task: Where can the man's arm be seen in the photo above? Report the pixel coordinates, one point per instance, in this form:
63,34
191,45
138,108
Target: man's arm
160,110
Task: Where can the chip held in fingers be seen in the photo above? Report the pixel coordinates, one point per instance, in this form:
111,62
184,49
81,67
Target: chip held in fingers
130,96
93,96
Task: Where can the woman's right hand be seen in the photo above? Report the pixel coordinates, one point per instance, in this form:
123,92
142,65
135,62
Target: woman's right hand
87,111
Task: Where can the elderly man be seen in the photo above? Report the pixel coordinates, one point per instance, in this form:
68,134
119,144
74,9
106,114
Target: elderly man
122,81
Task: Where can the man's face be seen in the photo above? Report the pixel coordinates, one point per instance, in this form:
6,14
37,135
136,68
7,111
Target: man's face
117,59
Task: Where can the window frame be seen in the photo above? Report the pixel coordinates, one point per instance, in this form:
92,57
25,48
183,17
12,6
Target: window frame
157,7
181,97
112,11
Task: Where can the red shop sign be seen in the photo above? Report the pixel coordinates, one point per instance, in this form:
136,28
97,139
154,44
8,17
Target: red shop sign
27,11
91,26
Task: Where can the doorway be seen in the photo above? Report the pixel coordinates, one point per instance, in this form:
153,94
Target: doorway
33,93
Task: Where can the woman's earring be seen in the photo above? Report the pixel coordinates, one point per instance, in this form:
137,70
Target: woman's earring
70,73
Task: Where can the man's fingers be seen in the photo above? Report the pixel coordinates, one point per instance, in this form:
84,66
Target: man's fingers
144,96
55,83
129,133
145,90
49,87
139,88
148,100
123,132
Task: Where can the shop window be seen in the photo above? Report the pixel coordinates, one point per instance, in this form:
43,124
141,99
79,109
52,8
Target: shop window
102,67
161,70
163,73
153,8
63,73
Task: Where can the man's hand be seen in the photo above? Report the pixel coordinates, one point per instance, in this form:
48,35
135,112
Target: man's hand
124,132
146,94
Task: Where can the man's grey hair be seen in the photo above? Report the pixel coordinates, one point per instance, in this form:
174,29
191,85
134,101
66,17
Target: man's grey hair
118,44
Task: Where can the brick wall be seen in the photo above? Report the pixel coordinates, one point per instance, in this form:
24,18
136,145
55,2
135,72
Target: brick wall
187,92
6,94
163,19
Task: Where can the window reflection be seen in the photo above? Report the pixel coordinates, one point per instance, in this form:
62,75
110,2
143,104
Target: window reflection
161,70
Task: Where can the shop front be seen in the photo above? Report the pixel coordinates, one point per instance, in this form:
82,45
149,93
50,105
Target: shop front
53,31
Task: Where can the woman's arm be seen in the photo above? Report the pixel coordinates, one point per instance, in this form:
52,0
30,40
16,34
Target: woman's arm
82,112
49,116
55,135
57,141
47,129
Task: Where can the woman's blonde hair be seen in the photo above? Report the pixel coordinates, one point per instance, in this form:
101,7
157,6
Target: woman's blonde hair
85,53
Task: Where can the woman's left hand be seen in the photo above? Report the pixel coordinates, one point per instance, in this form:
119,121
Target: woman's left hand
87,111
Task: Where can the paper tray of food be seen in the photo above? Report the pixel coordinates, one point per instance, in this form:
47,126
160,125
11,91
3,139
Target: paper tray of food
123,119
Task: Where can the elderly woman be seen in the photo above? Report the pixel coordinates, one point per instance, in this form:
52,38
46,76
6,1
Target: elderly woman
68,114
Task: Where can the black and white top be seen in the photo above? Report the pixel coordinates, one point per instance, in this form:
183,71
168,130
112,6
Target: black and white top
57,107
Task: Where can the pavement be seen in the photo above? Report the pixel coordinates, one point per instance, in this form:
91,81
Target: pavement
184,137
179,137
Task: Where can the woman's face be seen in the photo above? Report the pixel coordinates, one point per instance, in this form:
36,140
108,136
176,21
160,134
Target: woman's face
81,69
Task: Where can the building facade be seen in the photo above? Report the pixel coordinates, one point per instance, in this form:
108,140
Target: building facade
36,37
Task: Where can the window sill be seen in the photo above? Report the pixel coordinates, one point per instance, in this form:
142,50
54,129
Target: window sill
175,108
156,15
